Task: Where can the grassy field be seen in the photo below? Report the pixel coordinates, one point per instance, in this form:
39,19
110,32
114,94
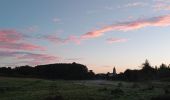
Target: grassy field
39,89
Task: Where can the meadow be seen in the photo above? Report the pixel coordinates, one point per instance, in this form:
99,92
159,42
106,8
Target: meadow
40,89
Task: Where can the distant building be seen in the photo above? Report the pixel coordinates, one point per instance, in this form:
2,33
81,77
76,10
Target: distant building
113,73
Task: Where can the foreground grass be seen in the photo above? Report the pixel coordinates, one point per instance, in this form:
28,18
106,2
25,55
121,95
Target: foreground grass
38,89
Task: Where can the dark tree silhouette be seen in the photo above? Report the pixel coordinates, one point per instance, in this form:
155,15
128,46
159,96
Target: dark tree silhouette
75,71
146,73
72,71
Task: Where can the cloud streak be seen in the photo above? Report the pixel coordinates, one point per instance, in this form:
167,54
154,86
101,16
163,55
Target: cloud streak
161,6
13,40
59,40
135,4
160,21
116,40
29,58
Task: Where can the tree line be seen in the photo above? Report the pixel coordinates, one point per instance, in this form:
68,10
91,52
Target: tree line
75,71
147,72
67,71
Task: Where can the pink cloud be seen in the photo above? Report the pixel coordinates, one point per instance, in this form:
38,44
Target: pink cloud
74,39
11,39
29,58
58,40
9,36
55,39
96,33
116,40
36,59
159,21
21,46
73,59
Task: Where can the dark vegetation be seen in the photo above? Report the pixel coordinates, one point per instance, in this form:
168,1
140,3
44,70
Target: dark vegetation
161,97
147,73
72,71
41,89
147,83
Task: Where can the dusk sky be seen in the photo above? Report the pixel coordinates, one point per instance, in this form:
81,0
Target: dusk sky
100,34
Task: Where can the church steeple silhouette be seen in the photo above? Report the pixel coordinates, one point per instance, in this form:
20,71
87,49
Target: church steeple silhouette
114,71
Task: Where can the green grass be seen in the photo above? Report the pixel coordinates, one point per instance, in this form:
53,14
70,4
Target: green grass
39,89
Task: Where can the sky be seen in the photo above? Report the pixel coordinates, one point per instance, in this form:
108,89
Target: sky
100,34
